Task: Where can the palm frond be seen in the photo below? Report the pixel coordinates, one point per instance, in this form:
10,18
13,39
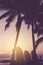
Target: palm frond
19,22
10,19
40,26
5,14
38,42
6,4
30,8
40,8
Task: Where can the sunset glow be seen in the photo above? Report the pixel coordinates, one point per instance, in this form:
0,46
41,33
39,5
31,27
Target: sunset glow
7,38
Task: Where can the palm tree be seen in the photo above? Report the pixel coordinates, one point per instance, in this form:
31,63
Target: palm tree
38,42
32,10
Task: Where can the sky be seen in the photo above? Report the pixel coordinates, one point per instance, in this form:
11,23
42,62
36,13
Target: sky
7,38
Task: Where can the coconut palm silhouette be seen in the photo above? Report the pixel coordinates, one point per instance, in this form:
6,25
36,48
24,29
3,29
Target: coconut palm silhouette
33,15
38,42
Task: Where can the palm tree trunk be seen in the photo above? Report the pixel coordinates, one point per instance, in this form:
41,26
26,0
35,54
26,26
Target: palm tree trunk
33,38
15,44
13,54
18,31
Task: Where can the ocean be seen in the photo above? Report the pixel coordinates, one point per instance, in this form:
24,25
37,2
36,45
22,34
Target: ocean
8,57
4,63
5,57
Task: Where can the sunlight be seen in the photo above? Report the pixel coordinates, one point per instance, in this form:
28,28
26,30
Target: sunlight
25,39
9,36
1,52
